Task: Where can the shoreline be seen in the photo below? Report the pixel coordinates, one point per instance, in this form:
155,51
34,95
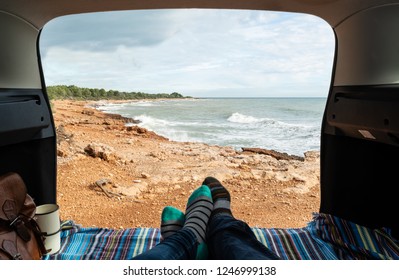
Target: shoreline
132,121
113,175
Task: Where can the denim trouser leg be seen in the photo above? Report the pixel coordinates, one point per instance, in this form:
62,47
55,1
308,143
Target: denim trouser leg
231,239
182,245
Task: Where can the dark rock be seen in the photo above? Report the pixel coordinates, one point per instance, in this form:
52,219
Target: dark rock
275,154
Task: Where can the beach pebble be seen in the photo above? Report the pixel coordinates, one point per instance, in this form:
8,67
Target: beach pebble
145,175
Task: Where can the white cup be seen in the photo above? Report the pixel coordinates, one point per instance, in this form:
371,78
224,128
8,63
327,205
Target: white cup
48,219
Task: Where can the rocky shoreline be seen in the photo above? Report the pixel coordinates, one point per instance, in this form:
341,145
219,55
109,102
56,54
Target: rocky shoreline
111,174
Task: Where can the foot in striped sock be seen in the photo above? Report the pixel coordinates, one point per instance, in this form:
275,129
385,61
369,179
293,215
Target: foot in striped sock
198,210
220,196
172,220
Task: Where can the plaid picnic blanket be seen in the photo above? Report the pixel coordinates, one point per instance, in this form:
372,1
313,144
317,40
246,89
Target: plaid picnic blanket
325,238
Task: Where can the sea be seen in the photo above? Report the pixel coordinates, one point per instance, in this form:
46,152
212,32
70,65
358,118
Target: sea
287,125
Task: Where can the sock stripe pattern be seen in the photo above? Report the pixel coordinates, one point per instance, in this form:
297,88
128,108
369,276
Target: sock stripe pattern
198,212
220,195
172,220
170,228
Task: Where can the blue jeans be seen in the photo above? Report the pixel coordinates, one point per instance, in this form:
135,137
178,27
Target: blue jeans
179,246
227,239
231,239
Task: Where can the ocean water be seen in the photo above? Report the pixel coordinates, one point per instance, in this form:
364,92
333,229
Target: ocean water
290,125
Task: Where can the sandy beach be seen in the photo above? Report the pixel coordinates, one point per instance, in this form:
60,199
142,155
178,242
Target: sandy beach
115,174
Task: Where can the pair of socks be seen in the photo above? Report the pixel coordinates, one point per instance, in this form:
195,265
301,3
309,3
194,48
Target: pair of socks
208,200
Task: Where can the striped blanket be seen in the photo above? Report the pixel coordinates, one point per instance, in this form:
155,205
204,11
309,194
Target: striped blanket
325,238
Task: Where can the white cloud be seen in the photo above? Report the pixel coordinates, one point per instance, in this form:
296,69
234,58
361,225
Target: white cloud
195,52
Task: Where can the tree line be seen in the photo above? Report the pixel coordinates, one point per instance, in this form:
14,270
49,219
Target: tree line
79,93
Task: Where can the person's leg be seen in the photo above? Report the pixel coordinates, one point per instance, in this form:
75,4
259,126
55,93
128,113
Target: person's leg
232,239
229,238
172,220
182,244
198,210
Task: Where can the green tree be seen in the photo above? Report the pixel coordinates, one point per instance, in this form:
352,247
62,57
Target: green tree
74,92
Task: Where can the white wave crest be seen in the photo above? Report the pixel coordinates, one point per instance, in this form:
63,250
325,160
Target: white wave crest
144,104
241,118
151,122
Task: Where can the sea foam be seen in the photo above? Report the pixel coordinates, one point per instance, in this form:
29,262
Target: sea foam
261,123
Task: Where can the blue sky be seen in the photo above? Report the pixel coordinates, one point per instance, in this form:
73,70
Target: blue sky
202,53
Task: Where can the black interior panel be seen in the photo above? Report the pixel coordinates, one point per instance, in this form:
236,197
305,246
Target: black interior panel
24,116
368,112
28,141
358,174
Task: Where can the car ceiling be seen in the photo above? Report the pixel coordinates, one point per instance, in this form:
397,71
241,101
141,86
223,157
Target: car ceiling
362,27
39,12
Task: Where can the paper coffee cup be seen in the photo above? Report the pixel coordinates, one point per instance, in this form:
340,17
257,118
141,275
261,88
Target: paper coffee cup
48,219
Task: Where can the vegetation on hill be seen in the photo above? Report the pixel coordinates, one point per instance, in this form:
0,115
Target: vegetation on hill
78,93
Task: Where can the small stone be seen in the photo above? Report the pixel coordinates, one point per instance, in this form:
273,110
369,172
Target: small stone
145,175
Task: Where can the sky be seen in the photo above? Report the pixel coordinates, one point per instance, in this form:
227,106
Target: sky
199,53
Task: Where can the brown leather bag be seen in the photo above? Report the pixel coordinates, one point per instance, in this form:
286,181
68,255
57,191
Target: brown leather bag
20,236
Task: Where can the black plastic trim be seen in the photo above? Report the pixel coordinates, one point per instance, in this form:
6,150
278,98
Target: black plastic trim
24,116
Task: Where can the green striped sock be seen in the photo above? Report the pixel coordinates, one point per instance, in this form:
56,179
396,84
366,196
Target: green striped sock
172,220
198,210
